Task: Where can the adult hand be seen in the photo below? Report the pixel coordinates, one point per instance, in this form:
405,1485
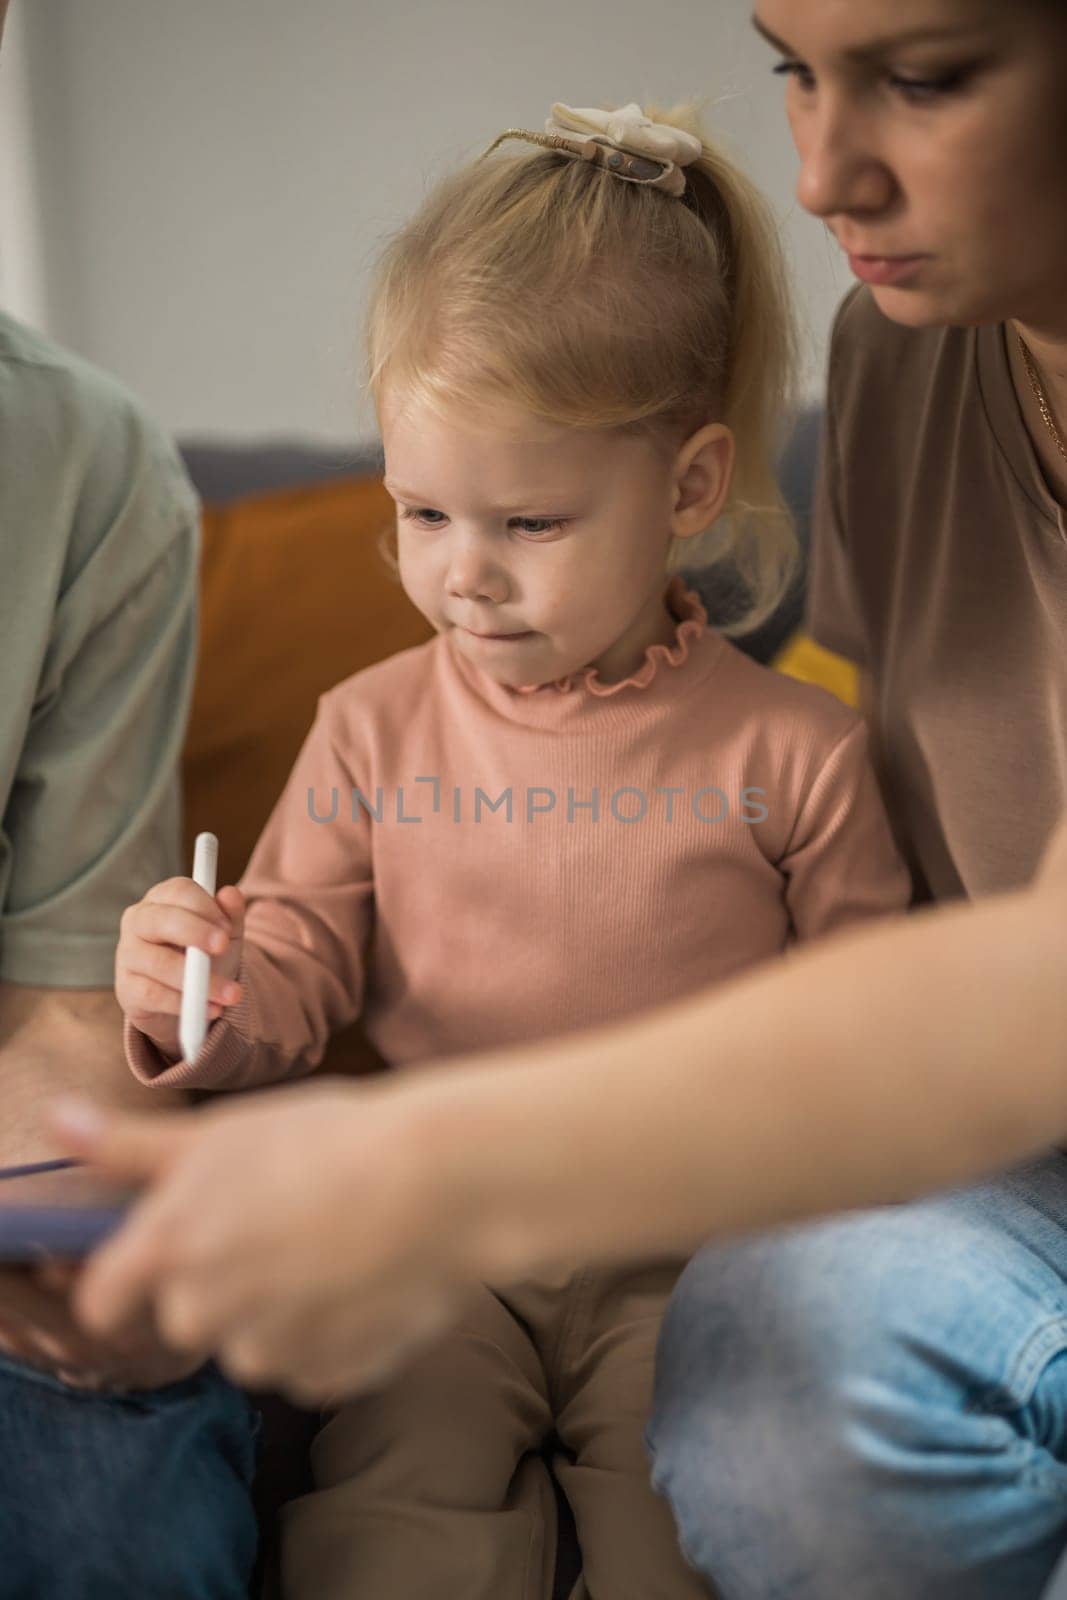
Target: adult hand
69,1038
38,1327
304,1236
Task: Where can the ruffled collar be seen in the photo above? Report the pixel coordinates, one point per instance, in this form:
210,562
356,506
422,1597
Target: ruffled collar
692,620
581,703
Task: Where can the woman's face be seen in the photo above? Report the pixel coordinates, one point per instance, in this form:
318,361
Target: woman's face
932,137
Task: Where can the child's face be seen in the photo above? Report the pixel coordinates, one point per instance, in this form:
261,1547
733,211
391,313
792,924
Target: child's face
540,549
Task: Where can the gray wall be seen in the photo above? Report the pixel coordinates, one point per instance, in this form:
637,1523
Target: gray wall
212,177
22,270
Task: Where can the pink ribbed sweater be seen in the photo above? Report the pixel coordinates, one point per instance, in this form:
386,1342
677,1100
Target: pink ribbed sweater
662,833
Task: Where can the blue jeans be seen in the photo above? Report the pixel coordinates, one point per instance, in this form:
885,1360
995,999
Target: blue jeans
875,1407
111,1497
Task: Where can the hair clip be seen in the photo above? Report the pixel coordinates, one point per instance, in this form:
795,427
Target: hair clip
625,143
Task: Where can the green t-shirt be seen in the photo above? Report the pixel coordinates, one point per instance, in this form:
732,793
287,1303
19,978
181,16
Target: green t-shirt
99,537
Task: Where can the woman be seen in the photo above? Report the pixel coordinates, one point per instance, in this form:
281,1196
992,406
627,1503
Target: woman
875,1406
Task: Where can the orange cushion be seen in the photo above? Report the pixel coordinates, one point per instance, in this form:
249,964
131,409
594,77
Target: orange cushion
294,596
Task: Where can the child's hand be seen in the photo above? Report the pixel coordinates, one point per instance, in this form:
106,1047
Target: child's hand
150,958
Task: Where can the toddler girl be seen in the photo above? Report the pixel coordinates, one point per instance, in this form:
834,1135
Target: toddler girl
577,801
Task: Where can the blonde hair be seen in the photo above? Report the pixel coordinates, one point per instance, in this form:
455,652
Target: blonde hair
604,305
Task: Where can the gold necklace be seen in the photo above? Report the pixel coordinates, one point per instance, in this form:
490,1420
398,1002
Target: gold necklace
1039,395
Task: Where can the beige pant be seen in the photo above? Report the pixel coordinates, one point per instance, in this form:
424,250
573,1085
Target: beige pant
430,1489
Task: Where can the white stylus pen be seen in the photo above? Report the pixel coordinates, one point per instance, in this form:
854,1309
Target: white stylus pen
192,1023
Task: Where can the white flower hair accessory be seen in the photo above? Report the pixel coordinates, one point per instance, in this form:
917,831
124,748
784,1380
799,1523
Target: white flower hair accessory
628,129
625,143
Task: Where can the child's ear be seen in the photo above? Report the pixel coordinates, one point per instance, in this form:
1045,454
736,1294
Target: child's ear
702,471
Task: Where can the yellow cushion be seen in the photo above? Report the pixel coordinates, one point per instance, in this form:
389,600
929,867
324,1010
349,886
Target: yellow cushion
294,596
800,657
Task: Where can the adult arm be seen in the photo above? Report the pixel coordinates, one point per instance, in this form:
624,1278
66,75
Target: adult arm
862,1069
865,1069
101,661
67,1040
55,1041
98,668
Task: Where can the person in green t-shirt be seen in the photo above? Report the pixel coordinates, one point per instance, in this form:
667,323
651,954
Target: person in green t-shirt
98,564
